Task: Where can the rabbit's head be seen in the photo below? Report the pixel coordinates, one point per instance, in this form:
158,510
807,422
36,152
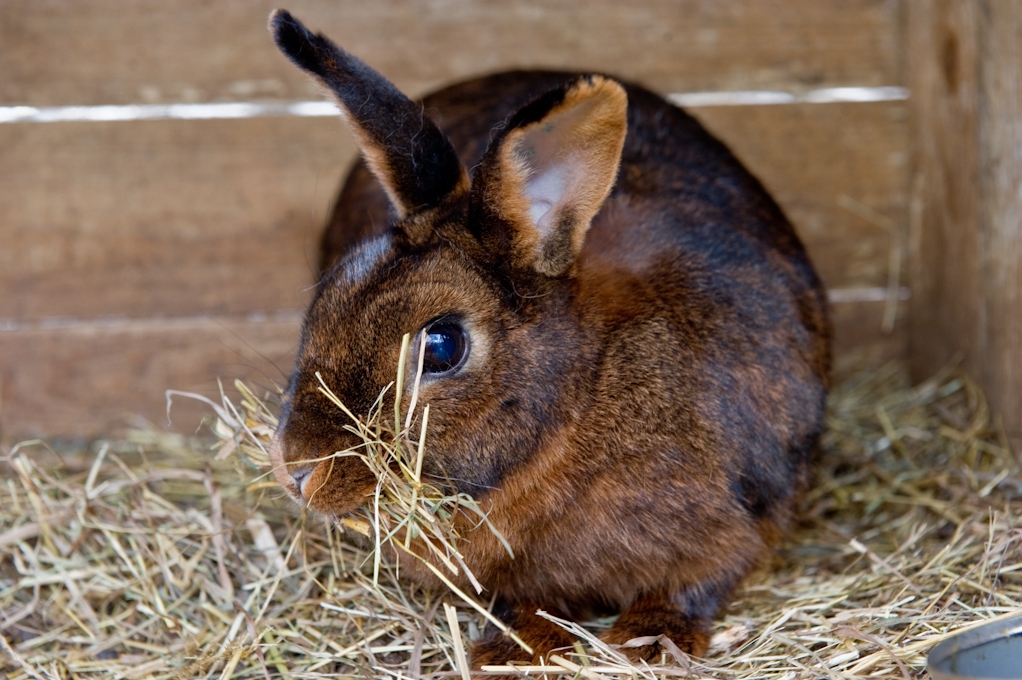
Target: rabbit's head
476,266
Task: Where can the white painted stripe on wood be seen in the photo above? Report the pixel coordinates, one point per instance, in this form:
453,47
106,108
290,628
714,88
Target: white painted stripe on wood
211,111
740,98
215,110
878,294
829,95
826,95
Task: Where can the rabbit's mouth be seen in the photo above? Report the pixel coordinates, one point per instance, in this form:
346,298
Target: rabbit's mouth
334,485
300,477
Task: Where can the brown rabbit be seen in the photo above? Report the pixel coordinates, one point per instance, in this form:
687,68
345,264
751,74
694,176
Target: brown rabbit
627,348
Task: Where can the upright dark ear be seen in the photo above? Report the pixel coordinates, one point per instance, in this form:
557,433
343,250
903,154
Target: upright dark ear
406,151
546,176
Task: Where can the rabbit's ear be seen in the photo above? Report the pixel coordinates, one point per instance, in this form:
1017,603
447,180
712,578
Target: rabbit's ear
545,177
411,158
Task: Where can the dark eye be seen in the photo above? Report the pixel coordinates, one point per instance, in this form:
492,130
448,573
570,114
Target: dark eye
446,347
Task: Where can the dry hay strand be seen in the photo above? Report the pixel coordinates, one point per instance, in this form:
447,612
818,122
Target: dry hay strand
149,558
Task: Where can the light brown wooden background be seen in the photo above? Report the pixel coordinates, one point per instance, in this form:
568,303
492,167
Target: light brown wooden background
141,256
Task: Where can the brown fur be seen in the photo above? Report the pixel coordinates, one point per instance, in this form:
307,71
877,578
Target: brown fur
648,360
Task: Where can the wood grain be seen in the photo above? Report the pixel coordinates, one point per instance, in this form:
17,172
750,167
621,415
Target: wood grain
63,52
859,333
170,218
164,218
91,379
1000,126
152,221
809,157
945,240
141,256
966,77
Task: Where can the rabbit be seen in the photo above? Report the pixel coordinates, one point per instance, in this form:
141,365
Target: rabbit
627,348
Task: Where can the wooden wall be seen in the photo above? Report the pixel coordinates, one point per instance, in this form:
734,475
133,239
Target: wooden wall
966,77
145,255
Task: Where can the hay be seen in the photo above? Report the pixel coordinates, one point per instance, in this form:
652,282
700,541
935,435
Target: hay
146,557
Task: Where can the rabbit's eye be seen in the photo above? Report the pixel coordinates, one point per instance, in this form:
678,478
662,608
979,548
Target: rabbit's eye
446,347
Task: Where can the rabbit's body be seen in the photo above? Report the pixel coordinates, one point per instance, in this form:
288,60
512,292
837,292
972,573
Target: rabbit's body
685,217
639,399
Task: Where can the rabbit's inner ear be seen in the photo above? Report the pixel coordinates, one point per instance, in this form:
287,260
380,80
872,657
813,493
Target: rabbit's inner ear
563,166
545,189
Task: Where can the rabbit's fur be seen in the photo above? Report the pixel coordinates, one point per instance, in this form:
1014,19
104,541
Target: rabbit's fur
648,344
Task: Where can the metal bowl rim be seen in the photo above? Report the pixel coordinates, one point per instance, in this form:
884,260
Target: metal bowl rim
980,635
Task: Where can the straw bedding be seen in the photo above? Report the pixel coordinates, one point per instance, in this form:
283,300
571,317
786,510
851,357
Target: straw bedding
149,557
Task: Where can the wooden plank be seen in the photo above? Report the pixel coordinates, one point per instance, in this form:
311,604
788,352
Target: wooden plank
93,378
859,332
97,226
180,230
967,100
170,218
941,43
813,159
83,52
77,381
1000,138
164,218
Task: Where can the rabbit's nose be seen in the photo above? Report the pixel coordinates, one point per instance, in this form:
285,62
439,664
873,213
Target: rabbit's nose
301,476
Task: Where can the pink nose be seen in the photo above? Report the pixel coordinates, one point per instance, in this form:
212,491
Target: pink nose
300,475
290,476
